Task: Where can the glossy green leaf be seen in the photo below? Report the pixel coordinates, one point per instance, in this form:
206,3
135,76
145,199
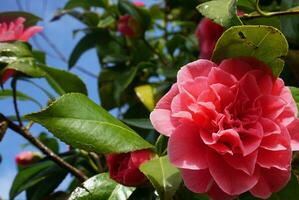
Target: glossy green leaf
223,12
63,81
146,95
81,123
30,18
18,56
140,123
101,187
165,178
4,94
106,22
260,42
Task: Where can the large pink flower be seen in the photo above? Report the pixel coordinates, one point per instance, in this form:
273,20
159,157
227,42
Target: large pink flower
12,31
232,128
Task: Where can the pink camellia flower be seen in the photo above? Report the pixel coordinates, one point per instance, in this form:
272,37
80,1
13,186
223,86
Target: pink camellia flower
128,26
208,33
13,31
124,167
138,3
26,158
232,128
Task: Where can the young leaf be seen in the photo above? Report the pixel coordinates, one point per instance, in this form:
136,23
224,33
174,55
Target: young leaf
223,12
63,81
165,178
81,123
101,187
146,95
260,42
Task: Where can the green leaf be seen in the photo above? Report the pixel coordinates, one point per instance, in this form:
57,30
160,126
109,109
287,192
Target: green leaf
101,187
222,12
165,178
30,18
86,4
140,123
81,123
260,42
106,22
4,94
146,95
63,81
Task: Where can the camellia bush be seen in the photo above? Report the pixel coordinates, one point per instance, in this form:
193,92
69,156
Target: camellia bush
203,95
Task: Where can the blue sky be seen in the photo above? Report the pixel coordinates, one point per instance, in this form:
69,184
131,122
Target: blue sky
60,33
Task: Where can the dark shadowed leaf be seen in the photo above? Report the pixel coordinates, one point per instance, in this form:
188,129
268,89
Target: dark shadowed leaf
30,18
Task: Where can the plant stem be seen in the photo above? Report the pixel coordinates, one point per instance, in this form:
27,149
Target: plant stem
37,143
15,103
260,13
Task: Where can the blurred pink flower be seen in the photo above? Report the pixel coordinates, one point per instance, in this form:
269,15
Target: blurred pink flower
208,33
26,158
138,3
232,128
128,26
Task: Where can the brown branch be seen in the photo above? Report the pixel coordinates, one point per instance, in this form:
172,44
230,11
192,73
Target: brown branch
37,143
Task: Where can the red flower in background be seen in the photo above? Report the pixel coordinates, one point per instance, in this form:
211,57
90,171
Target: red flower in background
26,158
128,26
208,33
138,3
13,31
232,128
124,167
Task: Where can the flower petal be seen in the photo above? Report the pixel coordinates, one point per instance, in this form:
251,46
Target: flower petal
271,180
162,121
198,181
186,149
230,180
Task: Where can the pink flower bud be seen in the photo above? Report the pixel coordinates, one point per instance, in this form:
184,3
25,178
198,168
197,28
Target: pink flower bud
124,167
26,158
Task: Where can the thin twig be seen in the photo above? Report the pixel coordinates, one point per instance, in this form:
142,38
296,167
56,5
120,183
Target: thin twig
63,58
15,102
37,143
